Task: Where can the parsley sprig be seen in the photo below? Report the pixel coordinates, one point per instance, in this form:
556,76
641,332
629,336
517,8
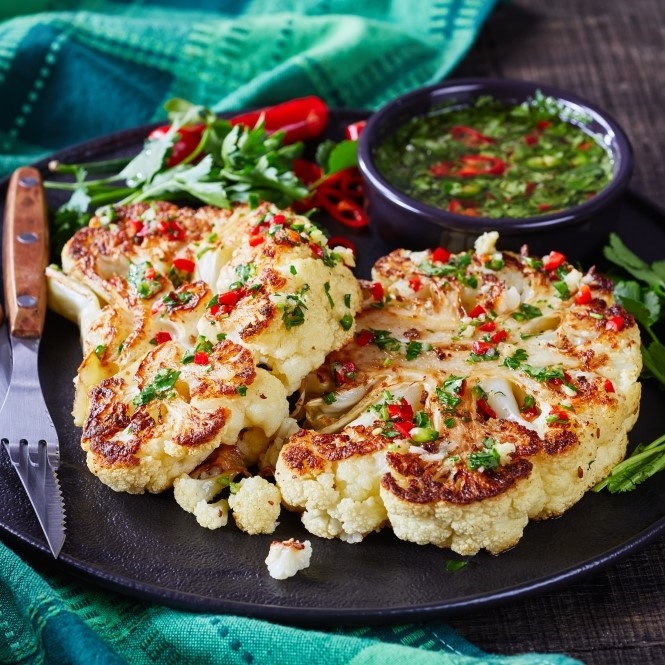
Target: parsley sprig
644,297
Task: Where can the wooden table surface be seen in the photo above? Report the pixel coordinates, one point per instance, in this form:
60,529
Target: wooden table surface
611,52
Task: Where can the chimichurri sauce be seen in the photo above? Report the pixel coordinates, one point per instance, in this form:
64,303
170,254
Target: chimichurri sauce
490,160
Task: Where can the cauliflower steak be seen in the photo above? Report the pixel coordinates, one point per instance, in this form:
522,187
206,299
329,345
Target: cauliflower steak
196,326
481,390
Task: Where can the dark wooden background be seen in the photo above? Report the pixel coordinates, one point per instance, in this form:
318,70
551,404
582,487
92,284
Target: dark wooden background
612,52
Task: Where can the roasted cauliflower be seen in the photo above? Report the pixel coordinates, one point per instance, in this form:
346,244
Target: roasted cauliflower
196,326
481,390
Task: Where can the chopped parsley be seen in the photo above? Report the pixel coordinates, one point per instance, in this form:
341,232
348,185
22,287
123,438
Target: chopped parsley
144,279
160,388
527,312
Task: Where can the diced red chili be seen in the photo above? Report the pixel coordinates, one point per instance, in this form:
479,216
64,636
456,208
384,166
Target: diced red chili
488,326
615,323
364,337
480,348
609,386
341,241
441,169
401,411
201,358
499,336
344,372
441,255
150,273
485,408
583,296
404,428
415,284
163,336
184,265
255,240
377,291
477,311
553,260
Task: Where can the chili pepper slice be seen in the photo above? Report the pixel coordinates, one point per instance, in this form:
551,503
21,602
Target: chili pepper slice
376,289
488,326
162,336
201,358
404,428
341,241
474,165
401,411
342,209
615,323
441,169
480,348
469,136
300,119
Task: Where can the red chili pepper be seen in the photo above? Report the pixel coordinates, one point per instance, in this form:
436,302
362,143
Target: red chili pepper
415,284
364,337
544,124
344,372
531,139
480,348
317,250
343,209
553,260
401,411
459,208
404,428
441,255
201,358
585,145
559,413
477,311
137,226
469,136
300,119
441,169
488,326
609,386
499,336
231,298
615,323
171,228
255,240
530,412
347,183
544,207
354,130
341,241
485,408
475,165
583,295
307,171
377,291
189,137
184,265
150,273
163,336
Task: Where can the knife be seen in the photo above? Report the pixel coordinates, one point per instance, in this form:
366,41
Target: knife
26,428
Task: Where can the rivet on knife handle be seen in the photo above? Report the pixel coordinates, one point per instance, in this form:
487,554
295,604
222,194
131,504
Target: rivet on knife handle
25,253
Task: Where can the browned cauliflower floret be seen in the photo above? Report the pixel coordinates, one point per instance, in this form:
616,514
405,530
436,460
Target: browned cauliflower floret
478,393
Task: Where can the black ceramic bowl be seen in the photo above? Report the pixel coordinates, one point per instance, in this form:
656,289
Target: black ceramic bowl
401,220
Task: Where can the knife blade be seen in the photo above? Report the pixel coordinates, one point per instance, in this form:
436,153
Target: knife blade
26,428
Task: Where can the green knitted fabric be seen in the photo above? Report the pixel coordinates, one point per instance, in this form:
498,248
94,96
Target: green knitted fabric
71,70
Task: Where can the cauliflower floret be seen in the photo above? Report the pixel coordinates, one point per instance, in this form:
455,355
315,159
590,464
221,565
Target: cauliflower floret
256,504
287,557
195,495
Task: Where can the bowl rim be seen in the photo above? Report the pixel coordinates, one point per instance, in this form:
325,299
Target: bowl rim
616,141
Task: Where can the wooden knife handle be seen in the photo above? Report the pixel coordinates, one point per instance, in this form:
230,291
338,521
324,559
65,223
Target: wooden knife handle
25,253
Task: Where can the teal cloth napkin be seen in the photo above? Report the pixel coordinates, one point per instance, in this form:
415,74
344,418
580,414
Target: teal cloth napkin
57,620
72,70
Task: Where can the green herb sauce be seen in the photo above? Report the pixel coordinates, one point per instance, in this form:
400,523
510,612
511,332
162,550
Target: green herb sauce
491,160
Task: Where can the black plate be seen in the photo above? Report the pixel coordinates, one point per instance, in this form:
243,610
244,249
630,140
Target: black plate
147,547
